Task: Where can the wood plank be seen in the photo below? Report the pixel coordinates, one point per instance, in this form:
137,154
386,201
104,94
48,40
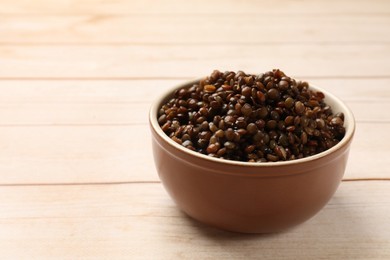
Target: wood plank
140,221
128,102
304,7
100,91
145,91
75,154
173,29
99,62
36,114
100,154
74,114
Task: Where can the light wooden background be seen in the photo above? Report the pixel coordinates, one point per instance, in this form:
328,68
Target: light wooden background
77,77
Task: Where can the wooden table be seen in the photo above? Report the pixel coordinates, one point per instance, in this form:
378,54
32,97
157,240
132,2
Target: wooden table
77,78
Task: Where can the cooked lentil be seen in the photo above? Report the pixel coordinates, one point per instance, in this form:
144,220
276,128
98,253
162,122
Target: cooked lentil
253,118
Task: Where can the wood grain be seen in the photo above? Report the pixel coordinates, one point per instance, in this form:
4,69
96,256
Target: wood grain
101,154
145,62
198,29
146,91
175,7
140,221
127,102
68,114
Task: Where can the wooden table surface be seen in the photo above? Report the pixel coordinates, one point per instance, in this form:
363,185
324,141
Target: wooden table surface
77,77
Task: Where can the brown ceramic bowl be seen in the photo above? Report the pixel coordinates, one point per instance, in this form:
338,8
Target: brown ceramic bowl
249,197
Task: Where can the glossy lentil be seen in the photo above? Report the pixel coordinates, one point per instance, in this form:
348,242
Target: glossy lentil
268,117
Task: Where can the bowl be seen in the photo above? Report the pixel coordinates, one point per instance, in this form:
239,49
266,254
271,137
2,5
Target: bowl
249,197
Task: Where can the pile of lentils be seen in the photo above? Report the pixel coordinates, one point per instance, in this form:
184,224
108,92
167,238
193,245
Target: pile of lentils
253,118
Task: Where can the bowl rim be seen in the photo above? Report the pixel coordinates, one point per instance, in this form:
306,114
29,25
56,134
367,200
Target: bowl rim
348,117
